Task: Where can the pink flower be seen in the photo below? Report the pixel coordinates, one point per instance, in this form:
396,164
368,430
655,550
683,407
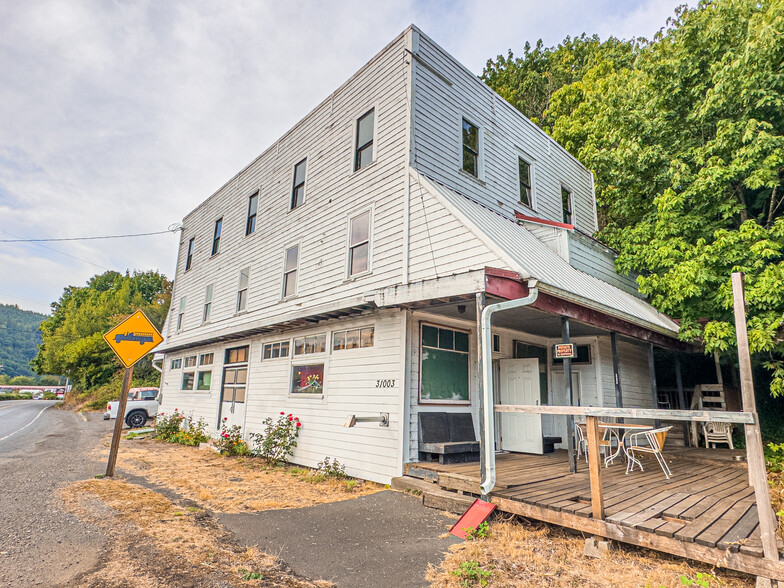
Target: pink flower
290,419
299,424
289,415
175,410
296,419
225,418
282,413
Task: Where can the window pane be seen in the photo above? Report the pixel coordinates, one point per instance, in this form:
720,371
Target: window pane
267,352
284,349
253,204
444,375
206,359
365,156
359,259
360,228
190,361
299,346
239,395
525,182
208,294
461,341
352,339
366,337
182,304
446,339
566,203
290,284
229,376
299,173
242,300
429,336
470,136
365,132
307,379
470,162
242,376
292,253
339,340
298,197
187,381
204,381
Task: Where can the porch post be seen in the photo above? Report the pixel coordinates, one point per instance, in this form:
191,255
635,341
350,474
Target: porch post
616,372
480,306
758,478
681,397
654,387
567,365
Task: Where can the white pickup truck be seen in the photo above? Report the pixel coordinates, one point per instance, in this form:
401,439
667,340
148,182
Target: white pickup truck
142,406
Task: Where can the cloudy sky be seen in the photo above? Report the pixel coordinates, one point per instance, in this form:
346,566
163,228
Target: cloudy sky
119,117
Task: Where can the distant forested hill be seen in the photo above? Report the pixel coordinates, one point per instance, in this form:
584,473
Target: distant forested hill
19,339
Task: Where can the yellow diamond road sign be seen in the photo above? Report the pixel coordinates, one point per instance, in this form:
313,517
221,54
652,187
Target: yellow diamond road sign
133,338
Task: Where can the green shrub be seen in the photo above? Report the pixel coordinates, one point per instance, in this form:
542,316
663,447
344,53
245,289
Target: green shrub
331,469
276,444
471,574
167,426
190,433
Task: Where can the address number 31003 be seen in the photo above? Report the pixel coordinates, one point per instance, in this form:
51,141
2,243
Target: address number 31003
385,383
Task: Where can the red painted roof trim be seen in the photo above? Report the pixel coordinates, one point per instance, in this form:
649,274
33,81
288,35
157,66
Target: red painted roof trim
542,221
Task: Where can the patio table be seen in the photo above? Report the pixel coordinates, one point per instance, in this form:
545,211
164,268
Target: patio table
616,429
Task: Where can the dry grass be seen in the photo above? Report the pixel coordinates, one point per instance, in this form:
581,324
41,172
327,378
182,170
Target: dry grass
154,542
232,485
525,554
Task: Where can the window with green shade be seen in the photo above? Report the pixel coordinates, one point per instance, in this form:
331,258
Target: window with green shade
444,366
187,381
204,380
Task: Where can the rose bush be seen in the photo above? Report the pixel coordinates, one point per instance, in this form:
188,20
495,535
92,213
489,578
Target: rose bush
276,444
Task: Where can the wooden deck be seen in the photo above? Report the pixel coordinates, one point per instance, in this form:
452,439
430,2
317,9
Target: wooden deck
705,511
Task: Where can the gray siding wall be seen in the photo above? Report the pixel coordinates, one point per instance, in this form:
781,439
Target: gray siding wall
594,259
506,134
367,450
334,192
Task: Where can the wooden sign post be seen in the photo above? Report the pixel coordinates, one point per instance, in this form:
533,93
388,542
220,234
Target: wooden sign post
131,340
758,478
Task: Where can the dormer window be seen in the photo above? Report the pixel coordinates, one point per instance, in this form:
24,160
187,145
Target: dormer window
567,206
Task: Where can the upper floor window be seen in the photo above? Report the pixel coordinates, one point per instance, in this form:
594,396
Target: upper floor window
181,314
216,236
310,344
359,244
176,364
206,358
290,265
363,153
298,189
524,169
276,350
190,361
242,290
189,256
352,339
237,355
253,204
205,316
470,148
566,206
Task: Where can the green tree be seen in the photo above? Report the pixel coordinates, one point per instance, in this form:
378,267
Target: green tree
687,141
73,336
19,339
22,381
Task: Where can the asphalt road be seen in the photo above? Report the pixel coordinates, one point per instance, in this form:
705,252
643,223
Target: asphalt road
43,448
380,540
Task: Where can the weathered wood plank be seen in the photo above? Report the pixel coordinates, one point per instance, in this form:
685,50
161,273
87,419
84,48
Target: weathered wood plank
632,413
713,534
669,529
705,520
740,530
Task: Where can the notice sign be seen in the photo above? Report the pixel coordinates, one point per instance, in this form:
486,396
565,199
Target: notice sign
564,351
133,338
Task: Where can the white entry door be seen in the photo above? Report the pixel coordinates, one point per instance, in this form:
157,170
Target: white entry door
233,395
520,385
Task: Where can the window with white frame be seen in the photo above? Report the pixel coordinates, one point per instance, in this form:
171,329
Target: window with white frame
181,314
253,205
235,376
290,266
470,148
353,338
242,290
187,381
176,364
363,152
190,361
216,236
206,358
205,315
307,374
566,206
443,366
359,244
275,350
204,380
298,188
524,171
189,256
310,344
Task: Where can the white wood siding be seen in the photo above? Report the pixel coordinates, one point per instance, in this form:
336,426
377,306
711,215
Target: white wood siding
320,225
505,135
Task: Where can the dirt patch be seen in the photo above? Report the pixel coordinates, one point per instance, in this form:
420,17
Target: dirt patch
233,484
519,553
155,542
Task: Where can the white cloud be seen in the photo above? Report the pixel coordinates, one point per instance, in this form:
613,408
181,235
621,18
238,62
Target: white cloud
122,117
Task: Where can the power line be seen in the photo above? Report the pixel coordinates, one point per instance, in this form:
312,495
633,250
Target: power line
174,230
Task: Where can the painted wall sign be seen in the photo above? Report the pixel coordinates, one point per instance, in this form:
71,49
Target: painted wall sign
564,351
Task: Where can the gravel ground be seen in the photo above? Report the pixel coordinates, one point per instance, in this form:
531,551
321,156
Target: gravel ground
40,543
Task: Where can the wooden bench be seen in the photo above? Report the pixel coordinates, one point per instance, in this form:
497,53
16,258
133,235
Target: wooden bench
447,437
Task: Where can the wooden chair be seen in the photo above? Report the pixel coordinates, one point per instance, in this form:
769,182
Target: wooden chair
651,442
717,433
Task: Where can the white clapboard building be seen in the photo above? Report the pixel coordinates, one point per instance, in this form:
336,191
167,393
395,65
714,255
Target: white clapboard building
340,272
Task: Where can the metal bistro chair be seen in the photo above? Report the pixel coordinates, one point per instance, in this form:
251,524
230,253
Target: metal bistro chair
605,443
650,441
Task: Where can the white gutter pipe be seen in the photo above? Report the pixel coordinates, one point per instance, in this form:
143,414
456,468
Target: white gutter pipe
488,420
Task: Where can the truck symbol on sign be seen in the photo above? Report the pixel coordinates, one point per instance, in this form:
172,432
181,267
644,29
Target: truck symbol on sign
142,338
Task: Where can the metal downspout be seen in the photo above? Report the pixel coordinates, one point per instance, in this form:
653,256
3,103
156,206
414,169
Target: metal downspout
488,420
